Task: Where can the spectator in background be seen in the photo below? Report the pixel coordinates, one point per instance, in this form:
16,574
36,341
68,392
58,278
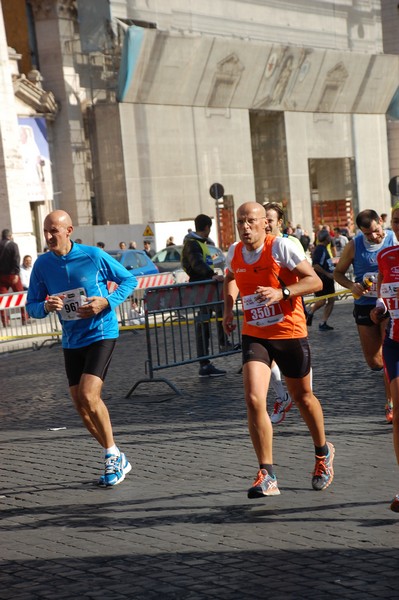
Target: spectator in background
348,230
198,264
170,241
78,241
147,249
287,231
323,265
384,221
9,271
340,241
100,245
26,270
298,233
122,245
132,245
305,240
330,246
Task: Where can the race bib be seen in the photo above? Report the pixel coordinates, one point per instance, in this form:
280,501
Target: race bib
259,314
73,299
388,292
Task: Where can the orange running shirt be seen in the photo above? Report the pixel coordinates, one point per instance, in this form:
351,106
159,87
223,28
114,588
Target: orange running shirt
280,320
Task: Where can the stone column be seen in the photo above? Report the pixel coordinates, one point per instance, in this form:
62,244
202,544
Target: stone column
14,207
58,45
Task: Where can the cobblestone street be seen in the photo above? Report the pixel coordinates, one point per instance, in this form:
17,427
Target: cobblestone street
181,526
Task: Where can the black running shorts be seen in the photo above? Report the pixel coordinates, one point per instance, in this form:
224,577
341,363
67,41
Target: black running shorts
292,356
328,287
390,353
91,360
361,312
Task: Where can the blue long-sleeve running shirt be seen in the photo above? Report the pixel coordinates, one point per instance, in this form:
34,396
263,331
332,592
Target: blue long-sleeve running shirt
82,273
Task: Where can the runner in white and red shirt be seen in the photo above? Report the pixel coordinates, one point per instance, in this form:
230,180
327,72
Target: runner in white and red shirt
388,307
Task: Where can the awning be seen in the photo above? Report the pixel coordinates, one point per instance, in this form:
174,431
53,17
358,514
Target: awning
186,69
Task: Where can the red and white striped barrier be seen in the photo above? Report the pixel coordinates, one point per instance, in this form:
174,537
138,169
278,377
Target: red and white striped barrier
146,281
13,300
18,299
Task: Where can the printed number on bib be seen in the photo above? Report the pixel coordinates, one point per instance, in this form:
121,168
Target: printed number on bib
260,315
389,294
72,301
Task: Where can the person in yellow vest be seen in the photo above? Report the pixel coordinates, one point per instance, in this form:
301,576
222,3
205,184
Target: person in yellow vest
271,275
198,264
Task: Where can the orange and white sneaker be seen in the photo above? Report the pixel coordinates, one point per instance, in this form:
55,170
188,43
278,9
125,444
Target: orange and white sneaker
389,412
264,485
323,473
395,504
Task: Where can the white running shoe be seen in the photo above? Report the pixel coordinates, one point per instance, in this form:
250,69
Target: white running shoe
281,407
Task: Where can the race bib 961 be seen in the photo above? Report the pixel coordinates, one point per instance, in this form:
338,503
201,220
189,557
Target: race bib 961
72,300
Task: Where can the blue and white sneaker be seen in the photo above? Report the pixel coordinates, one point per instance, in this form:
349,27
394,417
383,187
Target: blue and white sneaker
116,469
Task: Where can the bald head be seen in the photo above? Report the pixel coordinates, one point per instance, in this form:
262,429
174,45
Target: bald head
251,224
252,207
57,231
59,216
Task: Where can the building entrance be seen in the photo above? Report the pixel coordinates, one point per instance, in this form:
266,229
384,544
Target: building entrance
333,191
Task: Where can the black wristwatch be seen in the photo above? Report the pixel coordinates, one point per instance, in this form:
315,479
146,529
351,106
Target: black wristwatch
286,293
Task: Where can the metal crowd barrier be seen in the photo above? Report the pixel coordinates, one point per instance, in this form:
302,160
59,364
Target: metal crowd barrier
175,317
19,331
152,306
18,326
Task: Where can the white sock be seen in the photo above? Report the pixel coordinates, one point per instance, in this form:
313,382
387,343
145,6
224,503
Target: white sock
114,450
276,382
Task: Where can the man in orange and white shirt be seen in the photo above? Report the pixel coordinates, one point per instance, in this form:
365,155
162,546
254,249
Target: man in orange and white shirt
271,275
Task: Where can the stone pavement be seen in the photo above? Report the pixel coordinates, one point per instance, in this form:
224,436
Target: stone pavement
181,526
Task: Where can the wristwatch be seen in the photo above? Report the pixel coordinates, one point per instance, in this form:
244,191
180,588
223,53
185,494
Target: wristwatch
286,293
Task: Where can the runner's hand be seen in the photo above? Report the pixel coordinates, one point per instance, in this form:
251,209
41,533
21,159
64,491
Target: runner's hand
228,323
94,305
268,295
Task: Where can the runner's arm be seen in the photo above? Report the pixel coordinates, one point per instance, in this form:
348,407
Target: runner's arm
230,294
342,266
308,280
380,311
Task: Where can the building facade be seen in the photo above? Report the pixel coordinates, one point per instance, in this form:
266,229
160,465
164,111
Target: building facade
276,100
